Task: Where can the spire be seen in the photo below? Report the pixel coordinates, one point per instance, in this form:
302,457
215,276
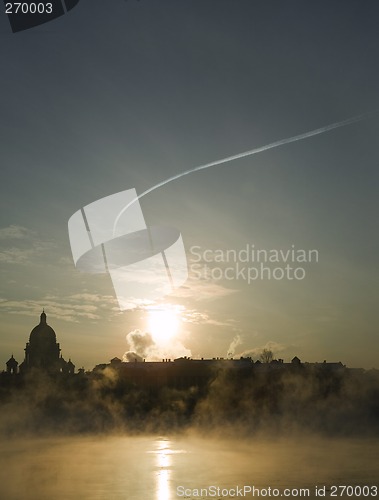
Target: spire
43,317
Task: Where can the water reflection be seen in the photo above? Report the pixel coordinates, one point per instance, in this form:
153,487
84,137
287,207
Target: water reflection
163,468
152,468
163,489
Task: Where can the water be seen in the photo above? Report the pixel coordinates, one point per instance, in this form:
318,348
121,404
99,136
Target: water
161,468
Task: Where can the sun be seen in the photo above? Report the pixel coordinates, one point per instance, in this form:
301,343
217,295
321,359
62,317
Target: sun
163,324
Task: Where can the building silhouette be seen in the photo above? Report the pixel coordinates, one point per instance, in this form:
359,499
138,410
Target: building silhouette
42,352
183,373
12,365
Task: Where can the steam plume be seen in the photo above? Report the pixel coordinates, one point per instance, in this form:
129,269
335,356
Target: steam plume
234,344
142,346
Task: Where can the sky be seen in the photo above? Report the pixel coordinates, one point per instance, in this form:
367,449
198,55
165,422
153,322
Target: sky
119,95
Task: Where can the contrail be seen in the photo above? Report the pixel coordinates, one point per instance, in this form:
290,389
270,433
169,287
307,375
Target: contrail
251,152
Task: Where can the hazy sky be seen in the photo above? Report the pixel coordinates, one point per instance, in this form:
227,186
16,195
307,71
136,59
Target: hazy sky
118,95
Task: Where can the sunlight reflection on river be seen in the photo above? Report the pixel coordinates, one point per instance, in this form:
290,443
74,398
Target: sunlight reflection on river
154,468
163,468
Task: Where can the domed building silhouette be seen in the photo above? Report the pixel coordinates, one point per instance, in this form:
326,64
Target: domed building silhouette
42,352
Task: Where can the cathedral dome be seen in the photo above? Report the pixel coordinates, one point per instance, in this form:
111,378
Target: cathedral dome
42,332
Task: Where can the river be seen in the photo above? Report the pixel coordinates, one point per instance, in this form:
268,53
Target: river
167,468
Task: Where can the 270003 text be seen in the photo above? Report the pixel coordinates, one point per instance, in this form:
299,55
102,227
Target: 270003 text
28,8
354,491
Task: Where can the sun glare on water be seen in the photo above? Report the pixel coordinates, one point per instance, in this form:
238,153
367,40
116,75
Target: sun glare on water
163,324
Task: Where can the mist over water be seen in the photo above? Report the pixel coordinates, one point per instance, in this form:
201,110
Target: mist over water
240,403
97,436
153,467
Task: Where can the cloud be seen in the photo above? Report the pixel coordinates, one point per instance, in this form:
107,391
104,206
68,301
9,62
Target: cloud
71,308
134,304
195,316
20,246
13,232
18,256
200,290
203,318
91,297
187,315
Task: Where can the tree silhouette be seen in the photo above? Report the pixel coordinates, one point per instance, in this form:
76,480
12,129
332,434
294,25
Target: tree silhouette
267,356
